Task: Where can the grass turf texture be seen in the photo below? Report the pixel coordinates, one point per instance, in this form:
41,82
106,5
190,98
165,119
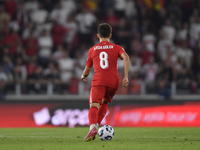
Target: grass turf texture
124,139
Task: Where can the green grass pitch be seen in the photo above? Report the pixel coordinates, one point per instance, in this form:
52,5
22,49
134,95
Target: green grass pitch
125,139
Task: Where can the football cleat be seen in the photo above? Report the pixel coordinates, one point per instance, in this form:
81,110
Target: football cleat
91,135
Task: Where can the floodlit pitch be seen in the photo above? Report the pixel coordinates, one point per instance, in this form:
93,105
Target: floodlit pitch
124,139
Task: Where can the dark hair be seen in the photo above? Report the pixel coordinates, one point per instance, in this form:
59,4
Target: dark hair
104,30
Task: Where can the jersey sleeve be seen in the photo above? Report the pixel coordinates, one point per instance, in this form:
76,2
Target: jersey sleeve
89,61
121,50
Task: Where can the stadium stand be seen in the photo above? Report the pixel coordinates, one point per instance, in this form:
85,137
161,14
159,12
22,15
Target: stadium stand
44,45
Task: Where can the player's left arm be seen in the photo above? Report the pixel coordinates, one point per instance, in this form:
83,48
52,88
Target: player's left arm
85,73
126,60
124,56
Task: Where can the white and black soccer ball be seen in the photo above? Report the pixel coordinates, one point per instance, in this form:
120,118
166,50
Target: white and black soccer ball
106,133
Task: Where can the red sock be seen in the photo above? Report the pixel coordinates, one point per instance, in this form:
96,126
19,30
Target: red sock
93,115
102,112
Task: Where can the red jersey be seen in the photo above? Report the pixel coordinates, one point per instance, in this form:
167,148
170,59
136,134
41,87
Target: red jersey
104,56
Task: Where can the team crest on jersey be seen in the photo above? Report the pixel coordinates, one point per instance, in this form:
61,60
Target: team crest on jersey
103,47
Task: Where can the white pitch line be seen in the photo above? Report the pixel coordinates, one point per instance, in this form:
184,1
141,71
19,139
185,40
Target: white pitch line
13,136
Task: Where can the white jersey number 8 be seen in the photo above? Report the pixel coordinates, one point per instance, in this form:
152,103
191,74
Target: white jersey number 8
103,60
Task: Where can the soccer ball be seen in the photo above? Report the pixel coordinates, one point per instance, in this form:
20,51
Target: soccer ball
106,133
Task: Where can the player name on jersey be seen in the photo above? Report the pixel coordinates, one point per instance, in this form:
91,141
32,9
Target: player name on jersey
103,47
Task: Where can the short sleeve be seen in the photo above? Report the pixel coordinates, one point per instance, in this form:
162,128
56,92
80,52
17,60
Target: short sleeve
121,50
89,61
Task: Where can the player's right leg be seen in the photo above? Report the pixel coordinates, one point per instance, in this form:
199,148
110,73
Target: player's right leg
96,95
93,115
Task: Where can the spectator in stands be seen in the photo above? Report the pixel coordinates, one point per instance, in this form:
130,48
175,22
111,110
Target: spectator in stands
45,48
8,70
31,65
58,33
183,32
59,53
196,51
58,14
4,52
146,26
149,40
195,28
31,45
66,66
184,52
52,75
183,79
163,90
177,67
36,81
165,72
135,83
143,14
135,29
120,7
149,70
160,17
69,6
169,30
73,84
47,25
10,7
135,63
72,28
20,73
86,21
122,33
145,55
111,18
20,52
21,17
136,45
4,17
13,40
30,28
39,15
130,10
164,45
8,66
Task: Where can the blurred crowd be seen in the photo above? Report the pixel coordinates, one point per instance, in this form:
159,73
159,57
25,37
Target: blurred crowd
46,41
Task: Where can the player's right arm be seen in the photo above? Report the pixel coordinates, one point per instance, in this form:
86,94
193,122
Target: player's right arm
86,72
88,66
125,58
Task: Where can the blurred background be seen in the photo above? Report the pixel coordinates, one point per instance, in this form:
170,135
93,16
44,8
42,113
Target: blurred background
44,45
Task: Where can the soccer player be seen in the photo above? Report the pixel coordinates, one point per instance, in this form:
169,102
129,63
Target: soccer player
105,81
